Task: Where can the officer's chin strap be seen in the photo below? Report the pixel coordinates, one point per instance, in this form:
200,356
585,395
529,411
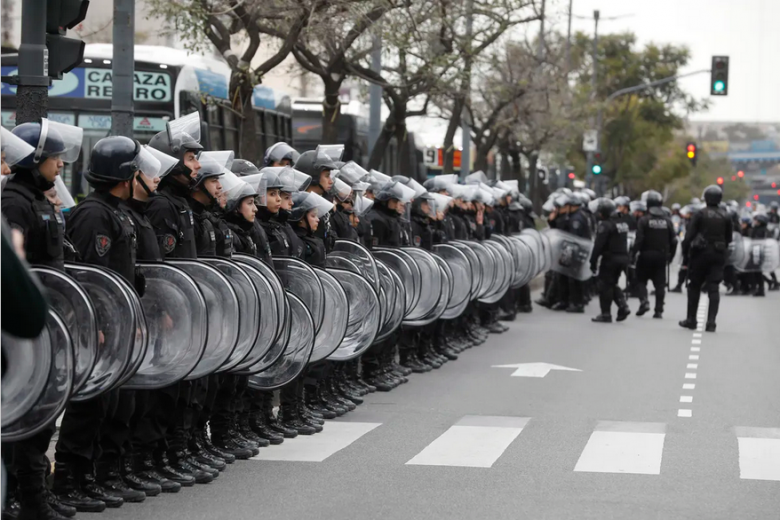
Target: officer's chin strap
40,181
140,179
212,199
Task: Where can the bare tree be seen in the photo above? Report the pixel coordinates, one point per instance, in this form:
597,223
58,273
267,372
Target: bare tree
235,28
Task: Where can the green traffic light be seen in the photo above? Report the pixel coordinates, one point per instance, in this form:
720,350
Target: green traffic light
596,169
719,86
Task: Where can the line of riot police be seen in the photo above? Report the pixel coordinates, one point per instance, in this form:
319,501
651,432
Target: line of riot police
202,308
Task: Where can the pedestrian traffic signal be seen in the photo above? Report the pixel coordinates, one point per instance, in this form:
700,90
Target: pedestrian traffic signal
692,153
64,53
740,174
720,181
719,79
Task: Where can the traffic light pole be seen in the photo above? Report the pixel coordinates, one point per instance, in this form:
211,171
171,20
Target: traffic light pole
32,95
122,109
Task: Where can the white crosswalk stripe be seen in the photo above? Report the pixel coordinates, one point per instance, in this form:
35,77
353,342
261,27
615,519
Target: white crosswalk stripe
333,438
475,442
624,447
759,453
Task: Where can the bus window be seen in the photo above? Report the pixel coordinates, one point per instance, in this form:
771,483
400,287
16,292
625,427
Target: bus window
215,127
270,128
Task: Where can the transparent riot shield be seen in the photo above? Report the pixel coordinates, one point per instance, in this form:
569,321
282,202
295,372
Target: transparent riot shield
736,251
341,260
299,278
117,321
504,267
297,352
26,365
487,266
51,401
361,256
762,255
445,275
400,265
72,303
459,265
222,312
363,315
141,337
277,348
248,309
570,254
395,301
531,257
336,318
177,320
269,326
476,270
430,283
282,306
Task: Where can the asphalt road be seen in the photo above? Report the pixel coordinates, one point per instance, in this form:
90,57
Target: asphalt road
612,441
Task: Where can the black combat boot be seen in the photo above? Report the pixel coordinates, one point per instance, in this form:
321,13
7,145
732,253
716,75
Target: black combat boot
137,481
110,479
179,461
644,307
274,422
201,454
144,467
60,508
68,490
257,423
92,489
602,318
162,465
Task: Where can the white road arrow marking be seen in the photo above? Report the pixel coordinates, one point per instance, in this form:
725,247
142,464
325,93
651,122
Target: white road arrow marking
535,369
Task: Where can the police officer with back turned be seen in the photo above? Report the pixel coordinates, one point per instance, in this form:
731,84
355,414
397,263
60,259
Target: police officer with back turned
612,247
655,245
704,253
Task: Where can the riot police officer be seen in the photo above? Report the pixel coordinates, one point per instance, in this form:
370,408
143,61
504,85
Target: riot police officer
280,154
655,245
319,166
577,223
37,152
612,247
759,231
105,235
704,252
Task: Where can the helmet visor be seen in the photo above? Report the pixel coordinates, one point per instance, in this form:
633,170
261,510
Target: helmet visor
333,151
378,180
14,148
209,165
360,187
58,139
476,178
397,191
183,130
293,180
281,151
147,163
341,190
222,157
361,205
62,192
352,173
167,163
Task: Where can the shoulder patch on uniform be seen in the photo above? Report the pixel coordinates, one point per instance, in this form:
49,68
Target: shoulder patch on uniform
417,240
169,243
375,241
575,224
102,244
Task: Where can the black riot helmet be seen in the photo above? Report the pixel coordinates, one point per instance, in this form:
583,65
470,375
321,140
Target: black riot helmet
311,163
774,205
242,168
712,195
761,218
653,199
116,159
605,208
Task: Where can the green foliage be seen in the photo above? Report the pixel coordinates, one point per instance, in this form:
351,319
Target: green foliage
705,173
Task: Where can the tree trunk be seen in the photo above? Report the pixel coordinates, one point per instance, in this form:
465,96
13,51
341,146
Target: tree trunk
481,159
452,127
382,142
331,110
506,168
241,94
401,144
517,169
534,181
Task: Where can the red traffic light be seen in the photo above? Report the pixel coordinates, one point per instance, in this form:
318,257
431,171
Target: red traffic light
748,204
720,181
571,175
774,185
755,197
691,147
740,174
733,177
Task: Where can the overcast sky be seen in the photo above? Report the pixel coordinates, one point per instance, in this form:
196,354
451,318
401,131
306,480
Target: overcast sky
748,31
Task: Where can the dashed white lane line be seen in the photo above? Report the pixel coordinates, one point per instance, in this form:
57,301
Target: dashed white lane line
684,413
693,357
697,334
695,342
692,366
689,375
695,349
686,398
689,386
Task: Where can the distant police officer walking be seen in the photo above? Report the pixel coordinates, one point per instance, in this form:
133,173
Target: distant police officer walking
704,253
612,248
